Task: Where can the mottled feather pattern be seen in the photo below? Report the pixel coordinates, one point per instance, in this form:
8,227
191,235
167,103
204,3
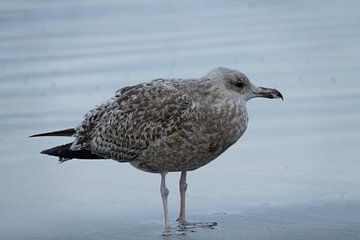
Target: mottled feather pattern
123,127
166,124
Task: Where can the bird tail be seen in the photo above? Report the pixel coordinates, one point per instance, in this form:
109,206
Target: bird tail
65,153
61,133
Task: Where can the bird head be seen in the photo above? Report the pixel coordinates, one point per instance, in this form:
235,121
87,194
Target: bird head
237,82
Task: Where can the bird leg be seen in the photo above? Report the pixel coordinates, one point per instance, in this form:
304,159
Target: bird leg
164,195
182,188
183,223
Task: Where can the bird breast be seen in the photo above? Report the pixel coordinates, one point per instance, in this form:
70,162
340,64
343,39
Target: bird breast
227,120
209,132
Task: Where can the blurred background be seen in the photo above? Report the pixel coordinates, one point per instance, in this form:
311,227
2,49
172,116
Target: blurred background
294,173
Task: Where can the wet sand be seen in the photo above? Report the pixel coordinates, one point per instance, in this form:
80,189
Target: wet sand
293,175
338,220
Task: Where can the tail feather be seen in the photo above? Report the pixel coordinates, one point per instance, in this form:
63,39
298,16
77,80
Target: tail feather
65,153
61,133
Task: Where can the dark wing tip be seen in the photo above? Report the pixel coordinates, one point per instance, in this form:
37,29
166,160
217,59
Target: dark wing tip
61,133
35,135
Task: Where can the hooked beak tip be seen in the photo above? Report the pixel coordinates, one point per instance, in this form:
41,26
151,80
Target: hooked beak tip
280,95
269,93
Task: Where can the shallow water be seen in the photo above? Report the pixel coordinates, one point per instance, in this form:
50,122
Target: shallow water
59,59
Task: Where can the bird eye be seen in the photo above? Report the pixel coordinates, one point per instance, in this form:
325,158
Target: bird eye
239,84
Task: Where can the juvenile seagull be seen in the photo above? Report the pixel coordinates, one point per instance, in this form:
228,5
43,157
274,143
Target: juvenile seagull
166,125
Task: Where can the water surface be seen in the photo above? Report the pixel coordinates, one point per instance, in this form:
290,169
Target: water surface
59,59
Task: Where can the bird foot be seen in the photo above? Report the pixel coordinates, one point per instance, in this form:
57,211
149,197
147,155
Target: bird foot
187,225
168,231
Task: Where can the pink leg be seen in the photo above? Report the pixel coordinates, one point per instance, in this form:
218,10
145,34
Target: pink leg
182,188
164,195
183,223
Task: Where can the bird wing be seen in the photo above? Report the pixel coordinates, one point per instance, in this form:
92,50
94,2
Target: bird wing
137,116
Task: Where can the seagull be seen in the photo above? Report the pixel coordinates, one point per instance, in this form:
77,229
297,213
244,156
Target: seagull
166,125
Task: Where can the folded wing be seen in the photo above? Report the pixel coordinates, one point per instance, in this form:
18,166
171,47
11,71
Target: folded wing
137,116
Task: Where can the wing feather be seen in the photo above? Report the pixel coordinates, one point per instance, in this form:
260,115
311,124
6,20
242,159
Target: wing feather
137,116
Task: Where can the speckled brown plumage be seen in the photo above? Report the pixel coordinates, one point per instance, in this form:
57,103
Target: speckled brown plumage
166,125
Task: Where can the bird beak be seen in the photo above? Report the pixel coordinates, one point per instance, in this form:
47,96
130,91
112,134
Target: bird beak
267,93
